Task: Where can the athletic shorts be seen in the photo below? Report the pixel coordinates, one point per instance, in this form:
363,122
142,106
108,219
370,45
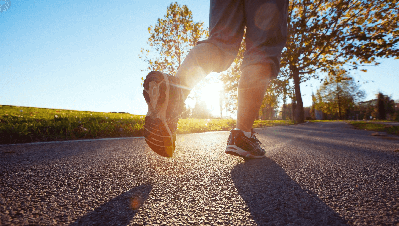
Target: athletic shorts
266,30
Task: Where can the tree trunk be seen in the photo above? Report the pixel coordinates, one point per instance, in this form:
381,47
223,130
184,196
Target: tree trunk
381,107
283,115
339,104
293,107
299,113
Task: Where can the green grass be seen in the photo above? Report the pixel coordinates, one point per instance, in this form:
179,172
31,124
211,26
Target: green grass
375,126
269,123
29,124
327,120
204,125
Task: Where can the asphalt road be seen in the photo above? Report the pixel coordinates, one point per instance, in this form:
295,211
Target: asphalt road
314,174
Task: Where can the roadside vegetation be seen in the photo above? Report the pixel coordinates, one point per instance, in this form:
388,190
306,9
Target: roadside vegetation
376,126
29,124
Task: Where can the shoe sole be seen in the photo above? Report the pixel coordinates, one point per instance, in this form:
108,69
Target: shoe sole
157,137
237,151
156,130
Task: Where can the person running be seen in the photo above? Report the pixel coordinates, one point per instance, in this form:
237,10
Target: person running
265,22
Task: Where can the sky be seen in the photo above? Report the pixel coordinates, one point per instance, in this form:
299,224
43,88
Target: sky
84,55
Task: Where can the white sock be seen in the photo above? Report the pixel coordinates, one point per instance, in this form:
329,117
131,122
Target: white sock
247,134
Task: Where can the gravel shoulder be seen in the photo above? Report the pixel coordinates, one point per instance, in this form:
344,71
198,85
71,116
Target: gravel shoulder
314,174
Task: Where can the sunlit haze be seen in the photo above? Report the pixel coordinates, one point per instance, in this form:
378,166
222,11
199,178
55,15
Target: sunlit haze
83,55
210,93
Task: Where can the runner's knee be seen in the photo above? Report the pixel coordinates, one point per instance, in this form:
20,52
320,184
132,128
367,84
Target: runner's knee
256,74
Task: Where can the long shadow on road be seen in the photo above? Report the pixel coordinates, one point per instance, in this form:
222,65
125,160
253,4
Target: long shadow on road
118,211
274,198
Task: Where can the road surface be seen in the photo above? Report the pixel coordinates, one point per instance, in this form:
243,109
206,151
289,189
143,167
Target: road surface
314,174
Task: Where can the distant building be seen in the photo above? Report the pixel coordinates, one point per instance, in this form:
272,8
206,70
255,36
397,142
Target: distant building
368,103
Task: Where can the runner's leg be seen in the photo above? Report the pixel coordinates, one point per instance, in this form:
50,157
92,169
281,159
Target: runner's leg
201,60
226,28
266,22
251,90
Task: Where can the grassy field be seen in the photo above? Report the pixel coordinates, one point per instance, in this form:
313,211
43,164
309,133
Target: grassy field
376,126
28,124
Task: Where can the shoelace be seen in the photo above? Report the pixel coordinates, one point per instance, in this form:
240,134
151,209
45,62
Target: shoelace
254,138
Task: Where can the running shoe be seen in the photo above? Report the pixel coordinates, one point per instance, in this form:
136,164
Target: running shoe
165,99
240,145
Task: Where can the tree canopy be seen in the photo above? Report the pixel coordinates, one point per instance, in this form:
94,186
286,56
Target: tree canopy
171,39
325,35
385,107
338,94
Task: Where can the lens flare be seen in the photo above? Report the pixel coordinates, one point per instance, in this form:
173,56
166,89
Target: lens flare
135,202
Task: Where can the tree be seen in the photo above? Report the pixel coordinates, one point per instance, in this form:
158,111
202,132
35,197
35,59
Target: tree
390,107
187,113
286,112
371,112
385,106
381,107
171,39
326,35
313,107
286,91
200,110
338,94
271,99
396,112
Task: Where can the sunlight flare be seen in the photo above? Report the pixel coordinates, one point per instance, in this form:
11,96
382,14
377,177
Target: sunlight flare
211,94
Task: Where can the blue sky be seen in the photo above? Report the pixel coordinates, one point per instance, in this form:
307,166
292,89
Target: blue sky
83,55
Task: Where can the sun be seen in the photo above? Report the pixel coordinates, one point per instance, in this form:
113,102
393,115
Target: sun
210,93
